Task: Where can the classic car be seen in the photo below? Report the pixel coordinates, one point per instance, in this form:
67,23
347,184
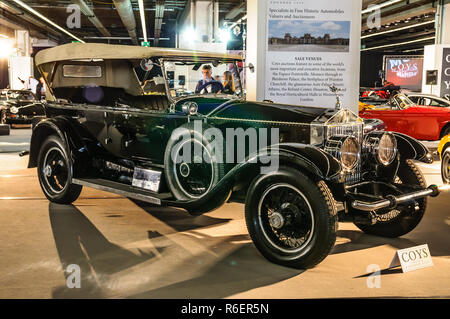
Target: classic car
128,120
402,115
444,154
428,100
19,107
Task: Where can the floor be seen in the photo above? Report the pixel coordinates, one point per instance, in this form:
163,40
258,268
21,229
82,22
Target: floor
127,249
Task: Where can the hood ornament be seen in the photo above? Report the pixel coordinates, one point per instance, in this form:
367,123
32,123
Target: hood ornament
336,91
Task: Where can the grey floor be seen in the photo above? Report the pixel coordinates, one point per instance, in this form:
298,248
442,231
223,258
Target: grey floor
126,249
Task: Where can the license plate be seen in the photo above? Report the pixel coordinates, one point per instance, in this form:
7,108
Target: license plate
146,179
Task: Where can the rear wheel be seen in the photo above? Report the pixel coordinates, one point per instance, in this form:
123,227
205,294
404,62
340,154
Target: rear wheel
291,219
402,220
55,172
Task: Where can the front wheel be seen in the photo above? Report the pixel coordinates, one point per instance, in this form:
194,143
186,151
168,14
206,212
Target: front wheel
401,220
445,166
55,172
291,219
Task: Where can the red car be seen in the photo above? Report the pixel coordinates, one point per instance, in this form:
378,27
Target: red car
401,115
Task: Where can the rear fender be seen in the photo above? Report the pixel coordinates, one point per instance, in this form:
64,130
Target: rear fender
69,134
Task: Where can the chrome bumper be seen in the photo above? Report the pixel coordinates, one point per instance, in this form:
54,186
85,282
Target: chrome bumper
393,201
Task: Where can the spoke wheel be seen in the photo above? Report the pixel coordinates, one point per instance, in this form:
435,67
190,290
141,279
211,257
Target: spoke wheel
402,220
55,172
291,219
286,217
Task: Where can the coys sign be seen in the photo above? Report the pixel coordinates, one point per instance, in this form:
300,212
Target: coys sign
412,258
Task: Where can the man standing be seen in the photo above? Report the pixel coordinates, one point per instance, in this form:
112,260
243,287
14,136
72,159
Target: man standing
31,84
208,84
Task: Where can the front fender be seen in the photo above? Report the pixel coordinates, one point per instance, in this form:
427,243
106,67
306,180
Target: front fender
309,159
68,133
410,148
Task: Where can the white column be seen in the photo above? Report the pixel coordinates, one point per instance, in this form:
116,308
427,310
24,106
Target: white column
256,48
443,22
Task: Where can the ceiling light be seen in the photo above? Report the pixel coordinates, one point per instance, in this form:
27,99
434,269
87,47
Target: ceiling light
379,6
398,44
398,29
144,26
27,7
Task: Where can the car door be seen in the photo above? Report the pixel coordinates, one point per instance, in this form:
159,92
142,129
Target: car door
144,133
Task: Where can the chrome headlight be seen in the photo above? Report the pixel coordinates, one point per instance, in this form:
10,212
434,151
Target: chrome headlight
350,153
346,149
14,110
386,151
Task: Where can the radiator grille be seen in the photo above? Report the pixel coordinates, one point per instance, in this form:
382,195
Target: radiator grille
356,130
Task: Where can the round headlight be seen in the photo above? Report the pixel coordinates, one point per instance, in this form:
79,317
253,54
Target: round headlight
350,153
14,110
387,149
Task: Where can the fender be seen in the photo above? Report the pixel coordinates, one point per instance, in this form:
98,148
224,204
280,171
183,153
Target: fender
69,134
410,148
310,160
443,145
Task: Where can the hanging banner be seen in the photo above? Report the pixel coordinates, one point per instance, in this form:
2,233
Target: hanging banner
445,79
309,48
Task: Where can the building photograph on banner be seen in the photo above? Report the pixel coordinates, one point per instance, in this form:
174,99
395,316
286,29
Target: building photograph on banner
308,50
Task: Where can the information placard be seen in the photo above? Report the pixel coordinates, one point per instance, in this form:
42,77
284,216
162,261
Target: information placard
308,49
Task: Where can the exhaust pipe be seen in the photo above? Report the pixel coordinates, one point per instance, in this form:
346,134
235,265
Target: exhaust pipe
125,10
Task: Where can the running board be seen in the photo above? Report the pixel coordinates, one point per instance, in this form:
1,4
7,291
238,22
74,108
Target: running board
123,190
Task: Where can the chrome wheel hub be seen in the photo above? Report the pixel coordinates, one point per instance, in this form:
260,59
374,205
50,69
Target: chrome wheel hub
48,171
276,220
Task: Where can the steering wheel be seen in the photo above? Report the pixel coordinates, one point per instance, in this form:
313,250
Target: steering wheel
205,86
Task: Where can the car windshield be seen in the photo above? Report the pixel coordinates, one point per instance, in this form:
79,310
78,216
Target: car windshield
186,78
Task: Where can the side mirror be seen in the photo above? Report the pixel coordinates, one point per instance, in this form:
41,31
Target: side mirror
251,67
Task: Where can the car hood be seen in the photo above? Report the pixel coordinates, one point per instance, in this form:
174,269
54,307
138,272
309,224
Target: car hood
238,109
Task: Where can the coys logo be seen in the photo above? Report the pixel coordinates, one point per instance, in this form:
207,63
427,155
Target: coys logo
404,69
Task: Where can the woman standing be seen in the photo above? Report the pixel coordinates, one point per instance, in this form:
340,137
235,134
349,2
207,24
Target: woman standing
228,83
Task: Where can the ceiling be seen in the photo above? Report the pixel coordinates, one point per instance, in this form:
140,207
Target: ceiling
405,26
108,16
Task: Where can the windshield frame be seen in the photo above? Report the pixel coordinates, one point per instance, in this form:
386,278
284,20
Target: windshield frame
174,100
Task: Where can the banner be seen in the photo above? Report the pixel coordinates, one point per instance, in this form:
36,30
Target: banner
445,78
308,50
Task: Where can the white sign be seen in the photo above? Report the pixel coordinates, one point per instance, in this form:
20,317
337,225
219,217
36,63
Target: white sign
309,48
412,258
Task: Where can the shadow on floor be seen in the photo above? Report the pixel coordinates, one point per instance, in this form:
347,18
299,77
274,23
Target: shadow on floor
241,270
79,242
179,219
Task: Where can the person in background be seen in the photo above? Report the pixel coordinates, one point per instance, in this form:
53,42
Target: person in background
41,89
31,84
217,78
228,83
208,84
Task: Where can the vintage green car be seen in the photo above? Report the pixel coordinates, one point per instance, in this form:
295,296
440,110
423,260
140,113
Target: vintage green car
157,125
